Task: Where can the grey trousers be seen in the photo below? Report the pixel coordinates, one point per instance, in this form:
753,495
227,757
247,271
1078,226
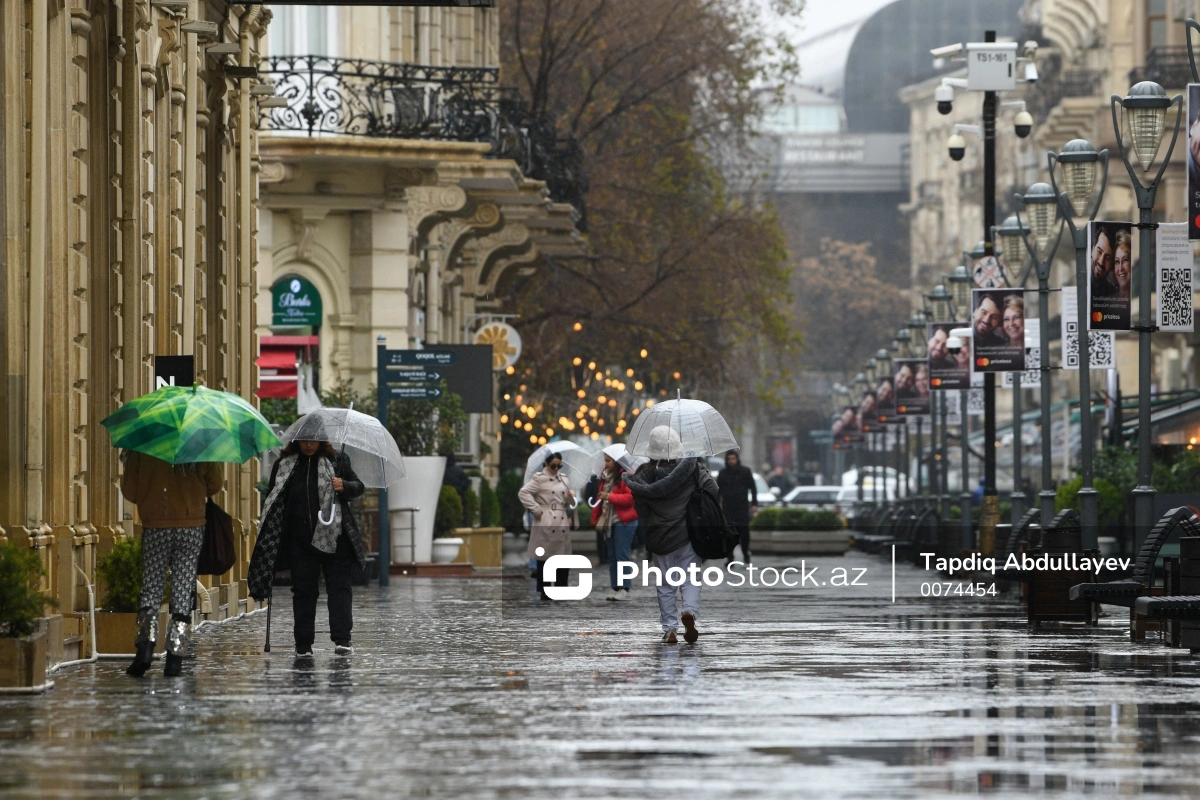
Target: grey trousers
177,549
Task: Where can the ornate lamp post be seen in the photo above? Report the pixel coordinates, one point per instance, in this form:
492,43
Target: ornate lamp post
1041,203
939,301
1079,160
883,369
960,287
870,369
860,388
1145,111
902,348
1009,235
917,346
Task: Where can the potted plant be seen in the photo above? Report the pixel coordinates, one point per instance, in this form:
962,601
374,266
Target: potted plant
120,573
449,515
22,638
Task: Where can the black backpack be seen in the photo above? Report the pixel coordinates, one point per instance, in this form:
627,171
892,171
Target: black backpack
710,533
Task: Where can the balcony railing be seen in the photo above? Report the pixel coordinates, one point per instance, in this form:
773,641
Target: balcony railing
1167,66
352,97
1051,92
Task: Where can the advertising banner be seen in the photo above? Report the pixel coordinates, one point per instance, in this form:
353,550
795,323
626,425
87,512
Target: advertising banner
1193,160
912,387
845,430
946,371
1110,275
868,417
885,400
1173,283
998,322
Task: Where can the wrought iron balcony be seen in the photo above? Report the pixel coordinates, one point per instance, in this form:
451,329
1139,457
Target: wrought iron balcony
1167,66
354,97
1051,91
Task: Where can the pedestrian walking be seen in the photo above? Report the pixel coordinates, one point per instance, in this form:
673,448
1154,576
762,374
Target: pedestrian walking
616,518
552,503
170,500
739,498
661,490
590,494
308,526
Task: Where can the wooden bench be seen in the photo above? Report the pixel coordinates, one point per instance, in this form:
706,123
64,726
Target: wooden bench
1025,529
1140,584
1048,592
1178,607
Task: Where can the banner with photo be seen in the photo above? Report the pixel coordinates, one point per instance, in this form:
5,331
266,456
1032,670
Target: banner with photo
1031,378
846,433
998,323
1110,275
1193,162
912,387
868,417
885,400
1101,344
946,371
1173,281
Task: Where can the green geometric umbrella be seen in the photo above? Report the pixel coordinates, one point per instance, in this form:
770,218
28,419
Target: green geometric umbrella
184,424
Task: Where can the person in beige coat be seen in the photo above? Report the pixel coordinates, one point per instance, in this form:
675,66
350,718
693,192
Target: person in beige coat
552,502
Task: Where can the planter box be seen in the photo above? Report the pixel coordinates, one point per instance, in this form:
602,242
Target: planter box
483,547
412,532
23,661
445,551
800,543
115,631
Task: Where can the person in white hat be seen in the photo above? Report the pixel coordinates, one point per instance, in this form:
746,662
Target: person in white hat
661,490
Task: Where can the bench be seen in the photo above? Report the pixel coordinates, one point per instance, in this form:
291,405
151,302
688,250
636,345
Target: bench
1026,526
1175,603
1128,591
1048,592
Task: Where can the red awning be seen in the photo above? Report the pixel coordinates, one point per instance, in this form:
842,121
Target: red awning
277,388
278,359
288,341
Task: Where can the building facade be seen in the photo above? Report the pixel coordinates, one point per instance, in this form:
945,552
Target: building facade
130,232
405,185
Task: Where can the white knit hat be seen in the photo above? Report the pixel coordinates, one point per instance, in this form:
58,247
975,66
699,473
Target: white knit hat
664,444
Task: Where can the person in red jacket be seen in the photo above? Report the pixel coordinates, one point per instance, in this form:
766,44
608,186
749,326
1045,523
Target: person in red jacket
615,516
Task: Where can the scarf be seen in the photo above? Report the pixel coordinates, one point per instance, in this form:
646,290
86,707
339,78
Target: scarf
607,515
329,523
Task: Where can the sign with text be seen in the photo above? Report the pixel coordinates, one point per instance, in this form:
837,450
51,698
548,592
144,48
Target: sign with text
998,323
295,301
418,374
947,370
1110,275
1176,303
912,387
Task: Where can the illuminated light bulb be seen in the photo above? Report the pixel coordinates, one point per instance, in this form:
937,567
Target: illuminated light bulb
591,365
599,376
629,373
581,394
576,361
649,404
638,385
504,419
528,427
533,439
541,440
507,397
637,411
595,436
643,354
612,403
549,432
601,400
578,326
510,371
675,375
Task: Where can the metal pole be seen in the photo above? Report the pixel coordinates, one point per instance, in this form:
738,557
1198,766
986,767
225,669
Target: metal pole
933,444
1017,498
968,540
905,462
944,467
1047,496
1089,504
920,486
381,400
990,512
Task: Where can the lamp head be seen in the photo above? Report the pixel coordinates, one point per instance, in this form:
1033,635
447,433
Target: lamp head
1145,109
1042,206
1079,159
1009,235
960,280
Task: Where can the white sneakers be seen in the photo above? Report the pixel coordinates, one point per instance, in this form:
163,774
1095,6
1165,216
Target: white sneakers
343,650
617,595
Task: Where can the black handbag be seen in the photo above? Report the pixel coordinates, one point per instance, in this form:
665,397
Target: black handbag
217,554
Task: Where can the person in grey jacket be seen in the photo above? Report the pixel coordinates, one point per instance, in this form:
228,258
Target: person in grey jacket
661,490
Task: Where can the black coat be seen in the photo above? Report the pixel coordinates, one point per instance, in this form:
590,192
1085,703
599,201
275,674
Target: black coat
736,485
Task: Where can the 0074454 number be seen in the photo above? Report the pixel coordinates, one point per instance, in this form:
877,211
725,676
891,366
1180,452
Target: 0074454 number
949,589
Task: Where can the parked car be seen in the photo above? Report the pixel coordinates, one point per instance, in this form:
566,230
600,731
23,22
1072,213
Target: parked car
812,497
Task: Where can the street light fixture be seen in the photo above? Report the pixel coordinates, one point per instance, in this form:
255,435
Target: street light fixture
941,299
1079,161
1145,110
1041,203
1008,235
960,287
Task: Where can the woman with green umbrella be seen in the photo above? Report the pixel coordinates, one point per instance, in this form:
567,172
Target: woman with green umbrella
173,439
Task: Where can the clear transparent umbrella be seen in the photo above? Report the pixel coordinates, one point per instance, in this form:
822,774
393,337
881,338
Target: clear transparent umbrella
372,449
696,429
576,468
618,453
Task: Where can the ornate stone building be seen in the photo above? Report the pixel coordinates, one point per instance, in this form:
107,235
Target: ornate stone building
130,231
403,186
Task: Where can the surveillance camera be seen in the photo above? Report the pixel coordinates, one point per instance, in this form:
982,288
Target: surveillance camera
954,345
1031,73
944,95
948,51
1023,123
958,146
1030,48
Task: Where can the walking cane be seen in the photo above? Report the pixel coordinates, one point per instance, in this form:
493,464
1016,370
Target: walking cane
267,646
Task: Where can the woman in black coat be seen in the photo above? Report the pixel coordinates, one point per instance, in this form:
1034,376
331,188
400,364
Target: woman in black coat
307,525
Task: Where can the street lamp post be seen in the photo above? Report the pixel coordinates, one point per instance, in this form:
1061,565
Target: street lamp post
1009,235
883,367
870,369
917,347
960,288
860,388
1079,160
1145,110
940,301
1042,203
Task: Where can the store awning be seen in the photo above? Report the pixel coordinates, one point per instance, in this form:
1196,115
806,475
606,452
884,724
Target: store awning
277,359
277,386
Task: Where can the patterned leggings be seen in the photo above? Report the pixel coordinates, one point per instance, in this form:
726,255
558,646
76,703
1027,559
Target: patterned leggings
179,549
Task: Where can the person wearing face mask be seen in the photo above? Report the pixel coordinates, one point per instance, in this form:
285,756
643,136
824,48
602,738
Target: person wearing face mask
308,526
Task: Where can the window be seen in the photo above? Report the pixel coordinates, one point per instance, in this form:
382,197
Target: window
303,31
1156,24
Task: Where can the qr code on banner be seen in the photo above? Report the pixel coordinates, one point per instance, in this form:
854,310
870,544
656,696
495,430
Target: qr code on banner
1100,347
1175,299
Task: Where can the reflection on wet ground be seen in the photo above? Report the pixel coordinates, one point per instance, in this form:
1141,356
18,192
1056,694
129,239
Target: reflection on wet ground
475,688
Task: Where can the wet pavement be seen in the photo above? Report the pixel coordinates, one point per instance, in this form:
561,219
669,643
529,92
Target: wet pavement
476,688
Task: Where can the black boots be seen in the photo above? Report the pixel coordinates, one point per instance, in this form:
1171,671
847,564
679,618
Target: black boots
147,635
177,637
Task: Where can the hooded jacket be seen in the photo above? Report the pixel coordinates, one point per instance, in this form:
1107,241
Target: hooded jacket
661,491
169,496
